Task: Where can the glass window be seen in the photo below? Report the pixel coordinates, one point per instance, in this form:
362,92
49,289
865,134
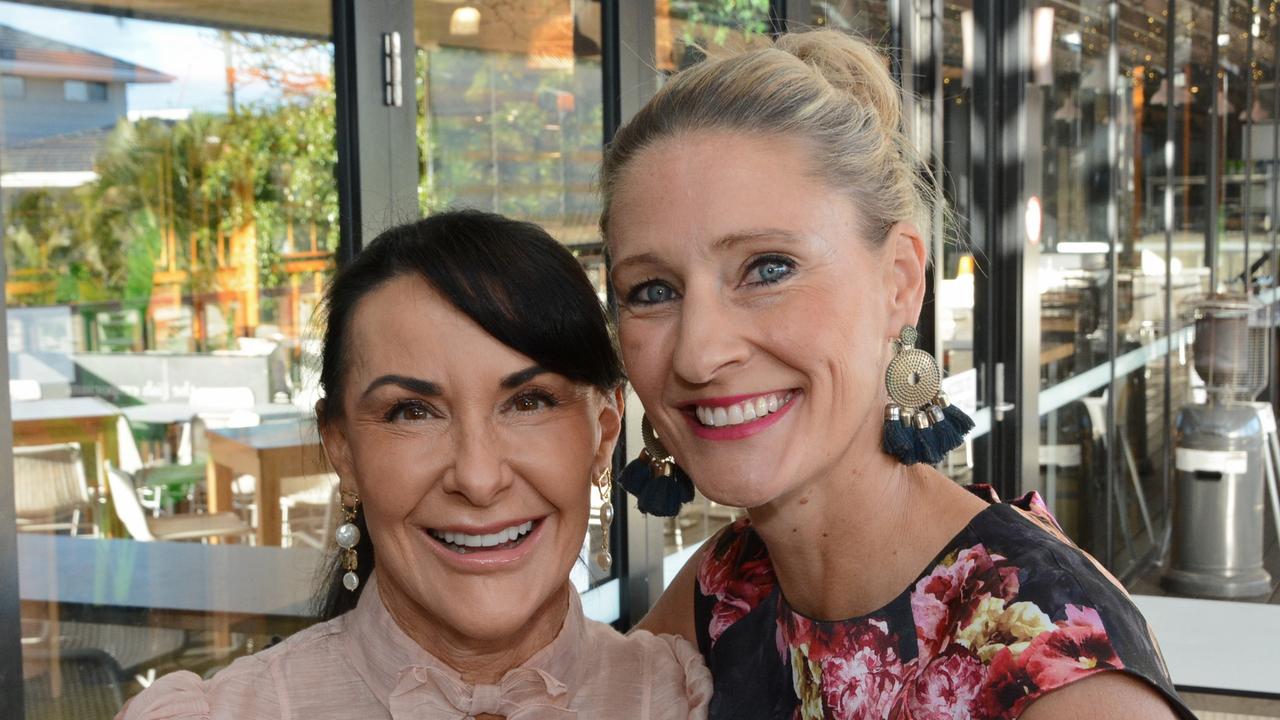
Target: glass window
684,29
1158,178
82,91
167,235
511,121
13,87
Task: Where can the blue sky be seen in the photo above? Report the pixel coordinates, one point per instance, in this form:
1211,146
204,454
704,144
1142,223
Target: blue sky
193,55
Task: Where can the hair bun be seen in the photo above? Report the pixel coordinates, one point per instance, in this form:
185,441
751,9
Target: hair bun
852,66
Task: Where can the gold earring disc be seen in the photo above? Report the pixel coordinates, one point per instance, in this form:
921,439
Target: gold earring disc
913,378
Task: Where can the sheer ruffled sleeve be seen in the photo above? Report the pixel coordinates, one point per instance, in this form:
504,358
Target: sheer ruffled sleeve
176,696
245,690
697,678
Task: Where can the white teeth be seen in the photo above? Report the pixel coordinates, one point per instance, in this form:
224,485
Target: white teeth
742,412
464,540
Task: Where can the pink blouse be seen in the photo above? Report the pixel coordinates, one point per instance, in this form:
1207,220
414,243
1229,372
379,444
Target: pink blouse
362,665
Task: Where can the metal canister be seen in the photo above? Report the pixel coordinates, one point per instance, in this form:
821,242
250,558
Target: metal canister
1219,507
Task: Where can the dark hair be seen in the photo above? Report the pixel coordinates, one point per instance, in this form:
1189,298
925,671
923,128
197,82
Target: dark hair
510,277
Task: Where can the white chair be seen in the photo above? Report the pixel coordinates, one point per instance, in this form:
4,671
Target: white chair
21,390
184,526
306,509
49,485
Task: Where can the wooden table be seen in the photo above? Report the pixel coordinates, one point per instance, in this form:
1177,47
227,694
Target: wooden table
170,417
270,453
85,420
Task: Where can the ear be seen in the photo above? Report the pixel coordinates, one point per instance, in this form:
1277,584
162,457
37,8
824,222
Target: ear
908,258
610,419
334,439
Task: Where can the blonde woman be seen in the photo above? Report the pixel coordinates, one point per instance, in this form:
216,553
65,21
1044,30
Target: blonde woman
766,223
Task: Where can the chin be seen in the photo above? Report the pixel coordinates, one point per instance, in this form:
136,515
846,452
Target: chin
488,622
742,474
738,489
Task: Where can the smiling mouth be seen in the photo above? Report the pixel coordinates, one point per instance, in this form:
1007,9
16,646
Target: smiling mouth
466,543
744,411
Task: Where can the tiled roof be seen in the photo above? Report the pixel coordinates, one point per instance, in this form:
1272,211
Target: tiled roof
72,152
27,54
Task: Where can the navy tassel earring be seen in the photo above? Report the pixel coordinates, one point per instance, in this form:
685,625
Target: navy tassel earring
920,425
657,482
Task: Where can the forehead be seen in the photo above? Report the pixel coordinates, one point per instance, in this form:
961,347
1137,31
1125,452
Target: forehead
406,327
706,184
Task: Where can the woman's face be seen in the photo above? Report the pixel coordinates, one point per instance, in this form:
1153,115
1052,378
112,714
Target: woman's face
474,466
755,318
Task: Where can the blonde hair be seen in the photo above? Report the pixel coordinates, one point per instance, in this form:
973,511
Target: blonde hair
827,89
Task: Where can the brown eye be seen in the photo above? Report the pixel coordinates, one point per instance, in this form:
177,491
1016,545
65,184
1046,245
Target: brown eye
410,411
532,402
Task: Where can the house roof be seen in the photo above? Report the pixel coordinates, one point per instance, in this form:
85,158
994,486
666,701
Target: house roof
71,152
29,55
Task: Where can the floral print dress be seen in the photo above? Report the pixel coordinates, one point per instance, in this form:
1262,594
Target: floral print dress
1008,611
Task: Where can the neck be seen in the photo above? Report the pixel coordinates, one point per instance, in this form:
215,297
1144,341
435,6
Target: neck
479,660
846,542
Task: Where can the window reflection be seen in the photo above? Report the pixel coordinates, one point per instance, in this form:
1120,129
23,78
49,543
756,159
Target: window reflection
170,216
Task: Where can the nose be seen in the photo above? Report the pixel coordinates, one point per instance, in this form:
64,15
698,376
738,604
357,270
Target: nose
709,338
478,472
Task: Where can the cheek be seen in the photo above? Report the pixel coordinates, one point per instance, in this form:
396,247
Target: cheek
645,353
393,473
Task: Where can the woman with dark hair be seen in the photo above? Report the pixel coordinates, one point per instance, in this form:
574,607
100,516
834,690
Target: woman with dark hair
472,397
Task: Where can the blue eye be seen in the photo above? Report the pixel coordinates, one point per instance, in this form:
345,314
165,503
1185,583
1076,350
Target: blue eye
771,270
651,293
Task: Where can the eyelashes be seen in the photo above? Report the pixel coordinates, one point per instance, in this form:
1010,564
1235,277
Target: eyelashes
762,270
532,400
771,269
528,400
402,410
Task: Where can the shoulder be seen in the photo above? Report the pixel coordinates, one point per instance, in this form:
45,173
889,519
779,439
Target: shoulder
1014,594
666,669
680,610
733,578
252,687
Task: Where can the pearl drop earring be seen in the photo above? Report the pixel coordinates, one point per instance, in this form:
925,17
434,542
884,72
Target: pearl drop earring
605,484
347,537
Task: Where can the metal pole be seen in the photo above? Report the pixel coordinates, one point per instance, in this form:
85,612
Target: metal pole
1248,141
1113,267
1275,199
1170,150
1211,164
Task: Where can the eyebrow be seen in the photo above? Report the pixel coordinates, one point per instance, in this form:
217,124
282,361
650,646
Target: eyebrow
734,238
641,259
721,243
430,389
516,379
421,387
